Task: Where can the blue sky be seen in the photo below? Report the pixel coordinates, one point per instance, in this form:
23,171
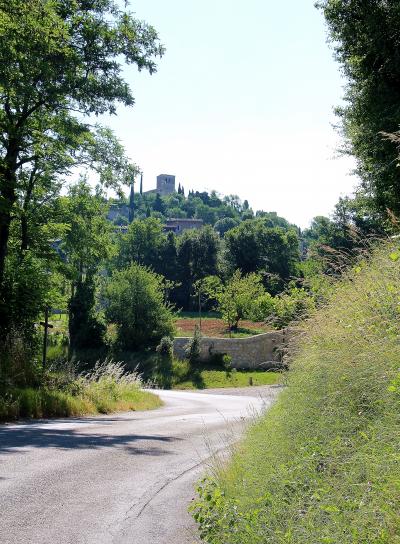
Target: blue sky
242,103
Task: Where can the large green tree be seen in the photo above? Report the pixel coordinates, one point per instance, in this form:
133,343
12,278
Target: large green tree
59,59
236,299
270,251
366,39
86,244
142,244
136,304
197,257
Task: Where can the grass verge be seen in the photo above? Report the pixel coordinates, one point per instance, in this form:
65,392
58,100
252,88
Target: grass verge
208,379
107,389
322,466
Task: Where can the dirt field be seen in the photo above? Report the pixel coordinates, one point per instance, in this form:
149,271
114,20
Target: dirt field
216,327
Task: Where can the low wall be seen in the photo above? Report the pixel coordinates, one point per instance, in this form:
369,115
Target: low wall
260,351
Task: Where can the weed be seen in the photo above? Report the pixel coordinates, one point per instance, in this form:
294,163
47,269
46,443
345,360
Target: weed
107,388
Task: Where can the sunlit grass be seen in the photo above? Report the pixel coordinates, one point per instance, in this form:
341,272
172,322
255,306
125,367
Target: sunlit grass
107,389
323,465
208,379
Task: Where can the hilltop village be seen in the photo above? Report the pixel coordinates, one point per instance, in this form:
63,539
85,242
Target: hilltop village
123,213
179,212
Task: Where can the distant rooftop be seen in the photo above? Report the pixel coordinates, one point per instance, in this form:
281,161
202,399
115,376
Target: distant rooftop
183,220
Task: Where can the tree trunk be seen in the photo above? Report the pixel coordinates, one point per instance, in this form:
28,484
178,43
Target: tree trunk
24,232
8,198
24,212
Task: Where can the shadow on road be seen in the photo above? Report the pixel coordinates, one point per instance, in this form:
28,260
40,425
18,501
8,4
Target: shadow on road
67,439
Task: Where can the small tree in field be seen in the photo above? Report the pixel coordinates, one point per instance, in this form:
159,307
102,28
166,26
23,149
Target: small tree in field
135,303
235,299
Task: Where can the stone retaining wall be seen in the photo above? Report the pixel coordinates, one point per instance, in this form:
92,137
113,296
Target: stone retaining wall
260,351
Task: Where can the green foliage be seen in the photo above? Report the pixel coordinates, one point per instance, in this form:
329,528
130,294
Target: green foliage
255,247
293,305
158,204
105,389
366,42
19,362
235,299
46,77
336,243
87,243
223,213
163,373
263,307
29,284
227,362
210,378
142,244
165,347
135,303
193,348
86,329
223,225
322,464
197,257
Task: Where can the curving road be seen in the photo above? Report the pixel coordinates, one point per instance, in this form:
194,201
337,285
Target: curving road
125,478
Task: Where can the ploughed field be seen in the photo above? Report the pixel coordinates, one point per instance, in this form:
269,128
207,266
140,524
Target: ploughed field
212,325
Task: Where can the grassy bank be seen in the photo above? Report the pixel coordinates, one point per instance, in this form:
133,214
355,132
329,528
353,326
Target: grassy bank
323,465
107,389
208,379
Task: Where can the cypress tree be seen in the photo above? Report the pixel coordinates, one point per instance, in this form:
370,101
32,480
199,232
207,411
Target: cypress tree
132,202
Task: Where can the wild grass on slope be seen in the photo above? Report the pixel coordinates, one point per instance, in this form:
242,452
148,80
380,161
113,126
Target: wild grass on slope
106,389
323,465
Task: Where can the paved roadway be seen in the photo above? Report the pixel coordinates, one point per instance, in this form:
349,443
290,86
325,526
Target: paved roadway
125,478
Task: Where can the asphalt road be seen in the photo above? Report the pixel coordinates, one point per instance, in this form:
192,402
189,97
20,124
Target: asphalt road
125,478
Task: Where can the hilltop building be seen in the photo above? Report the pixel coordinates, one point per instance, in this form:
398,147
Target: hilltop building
178,226
165,185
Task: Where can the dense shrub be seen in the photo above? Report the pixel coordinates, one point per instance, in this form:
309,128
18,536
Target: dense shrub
135,303
163,371
105,389
293,305
19,363
193,348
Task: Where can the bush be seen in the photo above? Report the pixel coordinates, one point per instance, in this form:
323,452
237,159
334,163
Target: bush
165,347
163,371
236,299
135,303
20,365
294,305
193,349
180,371
322,465
105,389
86,328
263,308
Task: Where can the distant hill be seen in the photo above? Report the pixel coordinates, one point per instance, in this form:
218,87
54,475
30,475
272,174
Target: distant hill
221,212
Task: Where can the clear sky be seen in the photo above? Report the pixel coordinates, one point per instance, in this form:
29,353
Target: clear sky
242,103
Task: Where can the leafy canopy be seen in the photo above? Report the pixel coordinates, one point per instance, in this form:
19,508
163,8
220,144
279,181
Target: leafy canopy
366,40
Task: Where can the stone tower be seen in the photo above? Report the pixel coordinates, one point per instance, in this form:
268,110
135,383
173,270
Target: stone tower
165,184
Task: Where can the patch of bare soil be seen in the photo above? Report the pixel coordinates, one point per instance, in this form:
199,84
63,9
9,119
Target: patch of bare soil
216,327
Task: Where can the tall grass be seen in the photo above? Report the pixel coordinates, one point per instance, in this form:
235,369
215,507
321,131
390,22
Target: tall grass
107,388
323,465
